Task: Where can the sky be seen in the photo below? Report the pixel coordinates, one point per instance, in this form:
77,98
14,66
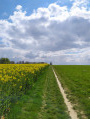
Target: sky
56,31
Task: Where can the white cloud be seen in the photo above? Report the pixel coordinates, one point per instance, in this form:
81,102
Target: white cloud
19,7
80,9
55,33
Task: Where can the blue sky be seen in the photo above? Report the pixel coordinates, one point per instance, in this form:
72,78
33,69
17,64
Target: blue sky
7,7
57,31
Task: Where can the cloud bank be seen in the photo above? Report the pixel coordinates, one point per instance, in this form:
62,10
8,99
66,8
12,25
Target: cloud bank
57,33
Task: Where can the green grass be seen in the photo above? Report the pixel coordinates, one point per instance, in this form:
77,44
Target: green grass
76,81
43,101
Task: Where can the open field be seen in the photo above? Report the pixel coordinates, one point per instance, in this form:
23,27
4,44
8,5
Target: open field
42,101
76,82
31,91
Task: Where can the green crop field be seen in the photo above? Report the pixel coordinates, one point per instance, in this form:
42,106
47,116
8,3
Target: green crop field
76,81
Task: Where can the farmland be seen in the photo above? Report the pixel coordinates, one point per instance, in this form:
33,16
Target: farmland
15,80
31,91
76,82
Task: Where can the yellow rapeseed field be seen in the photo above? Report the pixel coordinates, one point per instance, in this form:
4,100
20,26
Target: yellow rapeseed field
15,80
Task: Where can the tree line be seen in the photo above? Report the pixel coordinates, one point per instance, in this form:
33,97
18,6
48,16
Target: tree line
7,61
4,61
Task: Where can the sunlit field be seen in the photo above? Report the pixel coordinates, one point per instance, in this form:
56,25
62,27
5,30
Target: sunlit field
15,80
76,81
31,91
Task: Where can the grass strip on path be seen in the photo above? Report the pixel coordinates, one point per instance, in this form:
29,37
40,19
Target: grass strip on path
43,101
53,106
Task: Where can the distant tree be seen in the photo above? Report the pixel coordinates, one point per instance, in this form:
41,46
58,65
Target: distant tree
22,62
4,61
27,62
50,63
12,62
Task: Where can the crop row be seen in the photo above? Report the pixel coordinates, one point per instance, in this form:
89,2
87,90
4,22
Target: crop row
77,80
15,80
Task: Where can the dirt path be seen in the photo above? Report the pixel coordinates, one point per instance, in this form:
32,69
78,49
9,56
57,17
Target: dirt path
72,112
